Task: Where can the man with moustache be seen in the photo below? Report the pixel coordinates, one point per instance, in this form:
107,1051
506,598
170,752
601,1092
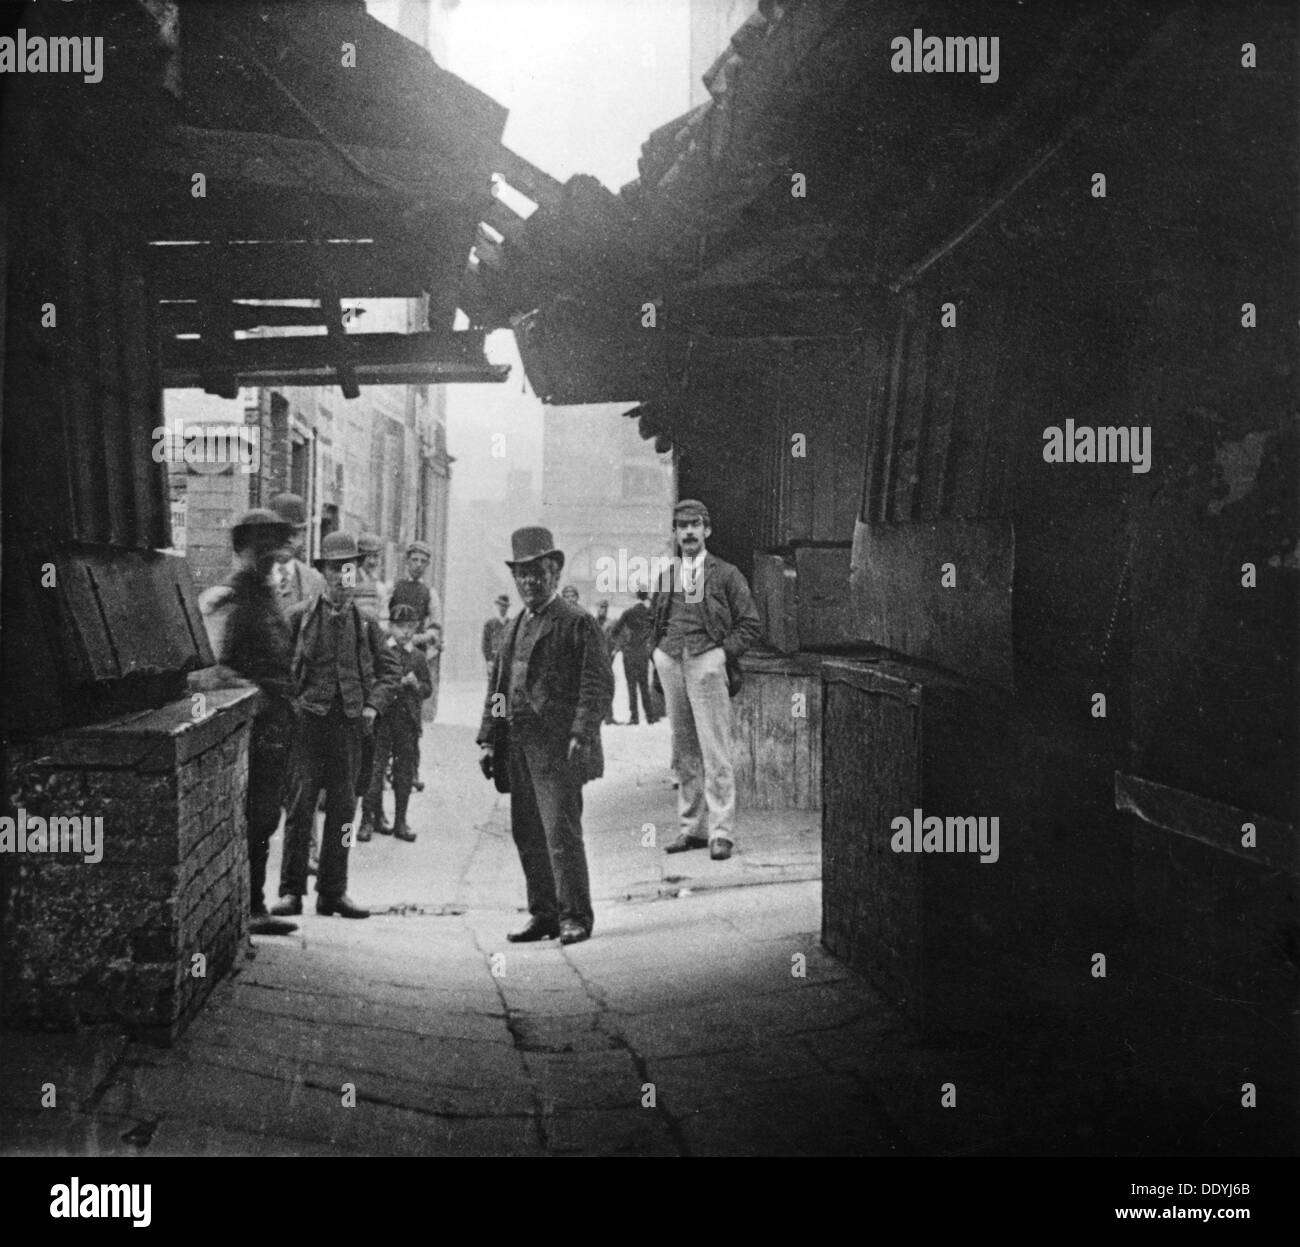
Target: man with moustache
704,618
551,686
344,676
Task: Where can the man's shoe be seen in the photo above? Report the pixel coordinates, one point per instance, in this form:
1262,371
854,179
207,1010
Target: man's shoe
537,929
572,931
418,785
720,849
289,906
382,827
365,831
341,905
684,842
402,832
264,924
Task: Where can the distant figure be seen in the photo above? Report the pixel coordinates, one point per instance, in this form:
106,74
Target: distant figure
397,731
369,591
607,630
410,590
540,738
297,581
494,631
570,594
704,619
632,636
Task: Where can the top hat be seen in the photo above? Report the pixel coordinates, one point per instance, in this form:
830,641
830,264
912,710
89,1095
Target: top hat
531,544
338,548
262,526
291,509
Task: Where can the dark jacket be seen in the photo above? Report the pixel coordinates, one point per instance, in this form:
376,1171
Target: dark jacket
570,682
410,662
730,616
632,632
379,670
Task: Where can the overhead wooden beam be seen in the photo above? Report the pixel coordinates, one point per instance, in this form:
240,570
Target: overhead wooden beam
527,178
175,318
377,358
285,270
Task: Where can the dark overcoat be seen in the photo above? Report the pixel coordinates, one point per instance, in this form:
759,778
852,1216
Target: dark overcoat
570,682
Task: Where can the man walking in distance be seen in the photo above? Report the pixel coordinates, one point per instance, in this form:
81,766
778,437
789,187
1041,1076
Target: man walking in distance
250,638
410,590
298,582
344,676
704,618
607,630
550,688
494,631
632,636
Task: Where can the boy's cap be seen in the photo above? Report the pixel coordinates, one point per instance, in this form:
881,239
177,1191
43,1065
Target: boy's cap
420,547
403,614
690,508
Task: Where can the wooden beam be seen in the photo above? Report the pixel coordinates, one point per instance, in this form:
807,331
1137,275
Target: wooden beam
377,358
176,318
528,179
285,270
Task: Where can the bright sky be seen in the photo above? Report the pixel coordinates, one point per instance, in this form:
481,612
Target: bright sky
585,80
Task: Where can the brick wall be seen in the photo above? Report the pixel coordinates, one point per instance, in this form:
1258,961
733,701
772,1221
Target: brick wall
115,940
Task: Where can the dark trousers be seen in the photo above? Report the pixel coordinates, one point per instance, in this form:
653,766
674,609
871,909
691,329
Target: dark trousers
636,670
327,755
546,822
269,749
397,736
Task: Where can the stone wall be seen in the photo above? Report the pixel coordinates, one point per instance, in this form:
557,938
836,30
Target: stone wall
119,939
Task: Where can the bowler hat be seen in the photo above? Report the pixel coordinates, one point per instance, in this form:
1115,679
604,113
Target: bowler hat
260,525
291,509
531,544
691,506
502,599
338,548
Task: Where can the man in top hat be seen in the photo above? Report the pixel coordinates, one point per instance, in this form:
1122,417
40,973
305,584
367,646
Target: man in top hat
250,639
704,618
494,631
551,686
344,676
297,581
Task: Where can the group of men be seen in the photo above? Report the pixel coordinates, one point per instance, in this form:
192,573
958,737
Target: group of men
342,662
550,686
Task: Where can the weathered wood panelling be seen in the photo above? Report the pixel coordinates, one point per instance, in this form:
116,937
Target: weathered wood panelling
776,730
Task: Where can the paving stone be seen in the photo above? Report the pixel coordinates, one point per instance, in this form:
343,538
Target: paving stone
584,1080
616,1132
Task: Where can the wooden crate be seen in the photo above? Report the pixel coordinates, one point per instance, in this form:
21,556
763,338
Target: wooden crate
777,739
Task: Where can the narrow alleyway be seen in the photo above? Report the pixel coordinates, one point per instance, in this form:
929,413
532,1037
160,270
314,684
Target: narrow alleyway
681,1028
702,1018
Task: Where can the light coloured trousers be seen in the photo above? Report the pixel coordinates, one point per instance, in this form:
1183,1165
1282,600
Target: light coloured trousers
695,694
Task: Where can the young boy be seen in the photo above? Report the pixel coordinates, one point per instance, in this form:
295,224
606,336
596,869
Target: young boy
397,731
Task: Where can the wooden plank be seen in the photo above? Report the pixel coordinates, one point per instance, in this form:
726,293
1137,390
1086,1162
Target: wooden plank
284,270
911,429
885,475
935,461
825,604
900,603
